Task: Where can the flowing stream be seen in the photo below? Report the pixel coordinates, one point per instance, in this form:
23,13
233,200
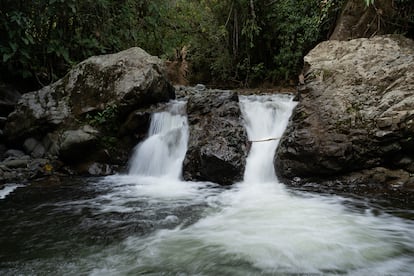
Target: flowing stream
165,147
150,222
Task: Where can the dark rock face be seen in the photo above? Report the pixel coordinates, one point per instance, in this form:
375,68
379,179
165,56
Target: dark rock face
8,99
217,144
84,113
357,113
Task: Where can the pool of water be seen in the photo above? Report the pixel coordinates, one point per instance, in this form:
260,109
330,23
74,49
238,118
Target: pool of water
151,223
123,225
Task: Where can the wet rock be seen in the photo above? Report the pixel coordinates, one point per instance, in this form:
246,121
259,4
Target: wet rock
101,91
357,113
217,143
34,148
184,92
374,182
97,169
127,80
13,153
137,123
24,168
16,163
76,145
200,87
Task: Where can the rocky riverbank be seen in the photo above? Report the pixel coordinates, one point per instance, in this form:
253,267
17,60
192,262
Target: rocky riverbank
354,122
351,131
88,122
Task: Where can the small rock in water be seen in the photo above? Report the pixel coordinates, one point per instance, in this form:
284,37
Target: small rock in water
171,219
13,153
200,87
97,169
18,163
34,148
297,179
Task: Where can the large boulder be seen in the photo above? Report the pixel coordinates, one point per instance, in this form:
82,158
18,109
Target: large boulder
128,80
84,111
217,146
357,112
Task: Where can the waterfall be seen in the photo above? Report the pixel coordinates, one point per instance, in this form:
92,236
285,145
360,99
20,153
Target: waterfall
266,118
157,224
161,154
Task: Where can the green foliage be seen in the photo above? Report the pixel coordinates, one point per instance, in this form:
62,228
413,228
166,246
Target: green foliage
267,39
240,41
107,122
107,117
42,39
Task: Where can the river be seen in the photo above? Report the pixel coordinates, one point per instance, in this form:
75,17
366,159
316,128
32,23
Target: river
150,222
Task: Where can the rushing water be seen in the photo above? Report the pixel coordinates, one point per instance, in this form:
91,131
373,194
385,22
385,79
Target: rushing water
165,147
7,189
151,222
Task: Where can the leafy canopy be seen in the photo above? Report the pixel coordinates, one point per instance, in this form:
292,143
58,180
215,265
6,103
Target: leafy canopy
230,41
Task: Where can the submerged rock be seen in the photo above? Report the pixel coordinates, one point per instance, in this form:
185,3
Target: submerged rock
217,144
357,113
102,92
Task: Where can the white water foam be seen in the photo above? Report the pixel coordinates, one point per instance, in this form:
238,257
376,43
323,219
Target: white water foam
266,118
155,168
8,189
162,153
259,227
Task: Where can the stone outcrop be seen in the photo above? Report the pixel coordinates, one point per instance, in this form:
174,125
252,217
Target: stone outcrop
217,146
356,113
81,115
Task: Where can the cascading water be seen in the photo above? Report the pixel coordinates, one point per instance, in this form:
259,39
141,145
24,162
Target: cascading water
150,222
265,119
162,153
258,227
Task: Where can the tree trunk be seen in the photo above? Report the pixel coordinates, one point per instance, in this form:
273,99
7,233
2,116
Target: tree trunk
357,20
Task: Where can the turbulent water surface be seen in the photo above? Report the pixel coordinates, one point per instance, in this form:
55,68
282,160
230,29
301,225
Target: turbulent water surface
151,222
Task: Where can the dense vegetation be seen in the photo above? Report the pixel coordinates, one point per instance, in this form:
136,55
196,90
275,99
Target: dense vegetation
236,42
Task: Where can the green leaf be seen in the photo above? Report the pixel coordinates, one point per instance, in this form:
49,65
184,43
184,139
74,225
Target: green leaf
25,54
7,56
13,46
